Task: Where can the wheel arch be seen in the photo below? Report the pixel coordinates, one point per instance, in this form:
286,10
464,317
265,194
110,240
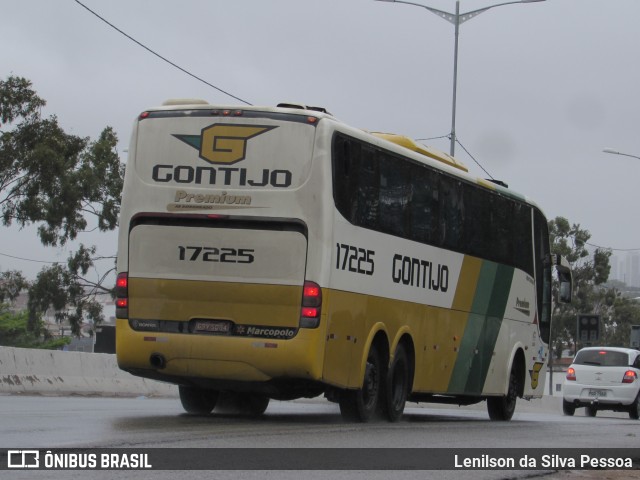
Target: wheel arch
404,338
379,337
518,362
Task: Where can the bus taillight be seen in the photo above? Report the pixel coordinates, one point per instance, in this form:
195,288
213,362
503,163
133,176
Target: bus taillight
122,295
311,305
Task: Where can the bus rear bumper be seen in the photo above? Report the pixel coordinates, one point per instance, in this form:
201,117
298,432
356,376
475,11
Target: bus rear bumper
271,366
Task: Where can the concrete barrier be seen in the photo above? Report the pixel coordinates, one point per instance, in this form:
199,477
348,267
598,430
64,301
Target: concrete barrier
53,372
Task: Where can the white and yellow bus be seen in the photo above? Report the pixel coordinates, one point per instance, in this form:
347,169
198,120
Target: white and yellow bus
279,253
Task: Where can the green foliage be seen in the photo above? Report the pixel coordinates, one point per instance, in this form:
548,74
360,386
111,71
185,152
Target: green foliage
63,289
590,272
50,177
17,100
64,184
624,313
11,284
15,332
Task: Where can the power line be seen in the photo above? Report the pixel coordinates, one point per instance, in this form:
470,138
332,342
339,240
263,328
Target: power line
26,259
160,56
47,261
614,249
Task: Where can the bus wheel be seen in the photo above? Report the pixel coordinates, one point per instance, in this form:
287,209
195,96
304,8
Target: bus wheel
360,405
568,408
235,403
254,404
502,408
397,385
197,401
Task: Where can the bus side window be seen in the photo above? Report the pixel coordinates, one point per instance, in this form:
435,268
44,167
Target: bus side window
424,208
345,158
367,188
451,213
395,196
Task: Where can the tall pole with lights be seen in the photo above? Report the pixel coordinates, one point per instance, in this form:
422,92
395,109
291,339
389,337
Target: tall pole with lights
457,19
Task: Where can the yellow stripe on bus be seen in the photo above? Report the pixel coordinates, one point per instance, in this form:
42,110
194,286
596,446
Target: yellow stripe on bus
245,303
445,331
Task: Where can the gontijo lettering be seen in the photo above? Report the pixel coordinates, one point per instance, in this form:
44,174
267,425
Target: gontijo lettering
420,273
226,176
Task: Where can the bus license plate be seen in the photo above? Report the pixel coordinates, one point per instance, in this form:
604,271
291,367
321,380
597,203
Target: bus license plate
212,326
597,393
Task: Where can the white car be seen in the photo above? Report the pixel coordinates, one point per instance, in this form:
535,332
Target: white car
603,378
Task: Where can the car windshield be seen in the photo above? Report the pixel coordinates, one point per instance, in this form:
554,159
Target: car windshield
604,358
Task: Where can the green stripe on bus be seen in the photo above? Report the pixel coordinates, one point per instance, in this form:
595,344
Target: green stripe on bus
483,326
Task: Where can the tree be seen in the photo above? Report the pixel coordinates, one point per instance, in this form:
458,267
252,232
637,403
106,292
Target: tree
61,183
624,313
11,284
590,271
591,295
14,332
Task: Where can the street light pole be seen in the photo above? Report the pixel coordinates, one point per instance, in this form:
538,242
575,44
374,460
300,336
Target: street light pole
615,152
452,146
457,19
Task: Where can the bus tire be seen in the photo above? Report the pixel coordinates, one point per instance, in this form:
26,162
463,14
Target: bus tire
237,403
255,404
502,408
397,385
361,405
568,408
252,404
197,401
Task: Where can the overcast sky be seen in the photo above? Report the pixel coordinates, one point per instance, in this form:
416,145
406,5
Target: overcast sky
542,87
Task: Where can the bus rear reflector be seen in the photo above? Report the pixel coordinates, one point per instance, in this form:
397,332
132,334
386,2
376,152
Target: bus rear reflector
311,305
122,295
309,312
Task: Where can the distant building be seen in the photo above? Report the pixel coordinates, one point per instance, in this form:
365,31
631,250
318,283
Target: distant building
626,268
615,273
634,269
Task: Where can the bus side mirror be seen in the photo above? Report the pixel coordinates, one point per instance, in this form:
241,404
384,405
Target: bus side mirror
564,278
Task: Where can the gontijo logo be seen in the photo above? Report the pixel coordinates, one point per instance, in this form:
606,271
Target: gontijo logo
222,143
